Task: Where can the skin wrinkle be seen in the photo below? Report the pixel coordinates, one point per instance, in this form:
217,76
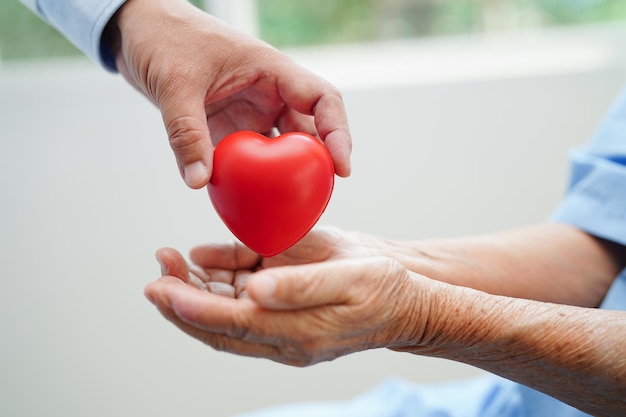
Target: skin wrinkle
229,86
584,358
161,90
316,348
142,77
409,331
240,328
398,292
236,256
221,288
182,136
158,88
538,342
240,282
492,274
324,131
196,280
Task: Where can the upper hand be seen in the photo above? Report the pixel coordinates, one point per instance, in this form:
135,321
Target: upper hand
209,80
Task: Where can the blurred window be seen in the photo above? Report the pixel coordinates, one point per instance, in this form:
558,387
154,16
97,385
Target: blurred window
23,35
288,23
293,23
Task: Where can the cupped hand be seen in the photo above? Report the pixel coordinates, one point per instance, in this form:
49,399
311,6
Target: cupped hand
218,265
209,80
224,268
300,314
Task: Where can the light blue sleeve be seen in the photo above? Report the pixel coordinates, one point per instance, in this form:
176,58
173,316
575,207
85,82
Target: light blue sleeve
81,22
483,396
596,197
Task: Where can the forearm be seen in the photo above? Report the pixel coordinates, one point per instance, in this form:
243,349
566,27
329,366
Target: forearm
571,353
548,262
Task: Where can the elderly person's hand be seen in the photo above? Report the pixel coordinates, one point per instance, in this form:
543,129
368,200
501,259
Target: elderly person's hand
343,289
332,294
209,80
298,315
224,268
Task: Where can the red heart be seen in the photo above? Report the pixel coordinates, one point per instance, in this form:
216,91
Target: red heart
270,192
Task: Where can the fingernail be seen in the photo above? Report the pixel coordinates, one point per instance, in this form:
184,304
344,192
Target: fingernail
164,269
195,174
264,287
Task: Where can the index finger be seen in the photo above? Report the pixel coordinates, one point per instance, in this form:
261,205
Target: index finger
331,122
231,256
309,94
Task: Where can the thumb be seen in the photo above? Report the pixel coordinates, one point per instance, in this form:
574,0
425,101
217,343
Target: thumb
305,286
185,121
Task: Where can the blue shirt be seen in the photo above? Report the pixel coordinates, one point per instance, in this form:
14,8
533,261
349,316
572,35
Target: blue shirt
81,22
595,202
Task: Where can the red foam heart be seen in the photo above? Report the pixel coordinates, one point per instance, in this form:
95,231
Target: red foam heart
270,192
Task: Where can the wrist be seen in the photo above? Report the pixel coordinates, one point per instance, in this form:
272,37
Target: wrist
459,319
146,14
133,18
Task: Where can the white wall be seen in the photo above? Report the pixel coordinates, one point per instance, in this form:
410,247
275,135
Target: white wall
90,191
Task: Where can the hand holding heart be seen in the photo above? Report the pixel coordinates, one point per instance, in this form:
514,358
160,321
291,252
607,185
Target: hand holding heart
210,80
270,192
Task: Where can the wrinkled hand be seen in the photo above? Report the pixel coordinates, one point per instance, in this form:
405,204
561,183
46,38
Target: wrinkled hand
209,80
224,268
217,265
314,302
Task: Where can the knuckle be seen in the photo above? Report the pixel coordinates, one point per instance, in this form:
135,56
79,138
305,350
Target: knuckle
184,133
334,93
392,266
383,274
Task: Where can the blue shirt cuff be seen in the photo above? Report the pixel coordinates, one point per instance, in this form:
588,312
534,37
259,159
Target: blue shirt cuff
596,199
596,203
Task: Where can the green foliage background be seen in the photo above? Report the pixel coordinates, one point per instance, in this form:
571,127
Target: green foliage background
23,35
290,23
